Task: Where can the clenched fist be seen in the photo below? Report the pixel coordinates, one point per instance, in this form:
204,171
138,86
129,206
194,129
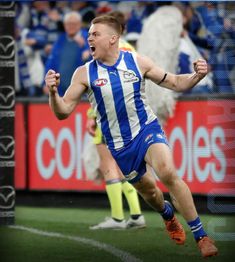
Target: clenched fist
52,80
201,68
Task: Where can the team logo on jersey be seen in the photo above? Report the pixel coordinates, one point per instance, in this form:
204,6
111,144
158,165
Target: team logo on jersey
130,77
100,82
159,136
148,138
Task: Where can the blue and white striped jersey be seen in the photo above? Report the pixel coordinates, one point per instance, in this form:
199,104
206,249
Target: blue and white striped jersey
117,95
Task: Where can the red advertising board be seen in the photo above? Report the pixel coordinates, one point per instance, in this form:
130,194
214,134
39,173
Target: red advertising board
55,150
201,135
20,147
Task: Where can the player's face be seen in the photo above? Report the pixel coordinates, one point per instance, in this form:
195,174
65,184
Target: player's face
99,38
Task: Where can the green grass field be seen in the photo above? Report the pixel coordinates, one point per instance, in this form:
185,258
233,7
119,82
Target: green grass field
62,234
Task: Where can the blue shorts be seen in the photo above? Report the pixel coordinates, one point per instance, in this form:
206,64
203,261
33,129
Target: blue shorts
131,158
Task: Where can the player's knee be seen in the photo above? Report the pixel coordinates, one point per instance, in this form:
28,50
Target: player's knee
150,194
168,176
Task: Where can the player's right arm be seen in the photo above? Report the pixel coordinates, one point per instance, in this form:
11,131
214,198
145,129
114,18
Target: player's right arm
64,106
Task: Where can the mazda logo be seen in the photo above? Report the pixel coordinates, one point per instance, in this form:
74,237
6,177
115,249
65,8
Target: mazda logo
7,197
7,147
6,5
7,97
7,47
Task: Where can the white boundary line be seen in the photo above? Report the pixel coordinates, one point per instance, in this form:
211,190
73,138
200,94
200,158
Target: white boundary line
124,256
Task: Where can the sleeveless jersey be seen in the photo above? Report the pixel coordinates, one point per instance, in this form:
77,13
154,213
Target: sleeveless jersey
117,95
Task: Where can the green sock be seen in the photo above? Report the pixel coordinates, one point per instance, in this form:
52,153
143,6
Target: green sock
114,192
132,198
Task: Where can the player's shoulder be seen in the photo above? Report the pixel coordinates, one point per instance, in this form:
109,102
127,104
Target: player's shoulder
144,60
80,70
90,63
144,63
80,75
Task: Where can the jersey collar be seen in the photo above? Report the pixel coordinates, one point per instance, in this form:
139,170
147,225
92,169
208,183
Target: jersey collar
112,66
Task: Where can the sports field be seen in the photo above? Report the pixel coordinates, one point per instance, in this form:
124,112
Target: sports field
62,234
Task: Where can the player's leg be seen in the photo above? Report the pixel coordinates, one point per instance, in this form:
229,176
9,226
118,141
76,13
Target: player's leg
113,182
147,188
136,219
115,185
109,171
160,158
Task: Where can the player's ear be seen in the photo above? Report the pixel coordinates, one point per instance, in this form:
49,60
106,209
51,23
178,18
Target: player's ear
114,39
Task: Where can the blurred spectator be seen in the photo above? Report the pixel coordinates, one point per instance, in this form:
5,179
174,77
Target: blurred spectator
54,27
33,60
23,81
86,10
210,26
229,24
103,8
208,32
43,26
138,14
132,38
69,51
215,27
22,14
188,53
37,30
63,7
31,36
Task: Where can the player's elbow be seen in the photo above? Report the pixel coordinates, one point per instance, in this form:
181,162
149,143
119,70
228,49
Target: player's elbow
175,87
172,82
61,116
177,84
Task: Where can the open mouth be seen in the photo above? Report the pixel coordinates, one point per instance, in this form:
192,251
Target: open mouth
92,49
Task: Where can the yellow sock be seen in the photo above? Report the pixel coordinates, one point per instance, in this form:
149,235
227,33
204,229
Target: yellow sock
114,192
132,198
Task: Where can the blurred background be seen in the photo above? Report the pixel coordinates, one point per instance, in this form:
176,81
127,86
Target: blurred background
49,163
49,154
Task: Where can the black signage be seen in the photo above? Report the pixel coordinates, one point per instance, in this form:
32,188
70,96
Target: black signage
7,113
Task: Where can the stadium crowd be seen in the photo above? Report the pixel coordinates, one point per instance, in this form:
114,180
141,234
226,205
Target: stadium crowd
47,38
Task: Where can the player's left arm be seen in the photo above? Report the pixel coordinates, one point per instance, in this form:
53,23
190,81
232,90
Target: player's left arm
178,83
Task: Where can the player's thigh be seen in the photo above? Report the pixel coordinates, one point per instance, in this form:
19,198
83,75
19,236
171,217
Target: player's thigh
104,153
108,165
159,157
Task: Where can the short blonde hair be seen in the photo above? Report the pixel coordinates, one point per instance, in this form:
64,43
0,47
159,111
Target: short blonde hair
110,21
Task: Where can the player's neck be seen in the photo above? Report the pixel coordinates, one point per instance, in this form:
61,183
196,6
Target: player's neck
110,58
